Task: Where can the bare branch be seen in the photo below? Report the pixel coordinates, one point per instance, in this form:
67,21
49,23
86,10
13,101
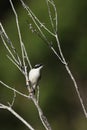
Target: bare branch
72,77
2,106
42,36
23,50
35,19
77,90
14,90
55,35
41,115
5,35
20,68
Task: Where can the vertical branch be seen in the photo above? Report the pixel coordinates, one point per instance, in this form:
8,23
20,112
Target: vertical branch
41,115
19,33
38,94
23,50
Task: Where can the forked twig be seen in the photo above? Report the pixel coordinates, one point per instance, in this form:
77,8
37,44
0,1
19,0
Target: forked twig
13,100
54,20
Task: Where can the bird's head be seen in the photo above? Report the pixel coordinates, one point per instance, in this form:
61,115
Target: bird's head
38,66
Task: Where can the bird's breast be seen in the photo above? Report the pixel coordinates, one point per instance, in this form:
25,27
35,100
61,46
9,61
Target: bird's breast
34,76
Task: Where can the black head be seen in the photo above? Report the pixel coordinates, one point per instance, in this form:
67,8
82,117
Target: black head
38,65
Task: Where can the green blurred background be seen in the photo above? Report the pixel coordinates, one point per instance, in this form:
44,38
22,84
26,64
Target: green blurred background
58,97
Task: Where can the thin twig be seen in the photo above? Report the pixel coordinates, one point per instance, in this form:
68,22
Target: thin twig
13,100
16,62
7,86
2,106
5,35
50,15
35,19
19,33
24,53
38,93
55,10
20,68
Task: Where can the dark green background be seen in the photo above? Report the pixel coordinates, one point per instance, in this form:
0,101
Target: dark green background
58,97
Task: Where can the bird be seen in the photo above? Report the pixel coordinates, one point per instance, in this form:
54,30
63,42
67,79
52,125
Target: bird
35,76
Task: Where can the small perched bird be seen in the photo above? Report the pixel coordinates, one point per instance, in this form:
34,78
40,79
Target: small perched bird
35,76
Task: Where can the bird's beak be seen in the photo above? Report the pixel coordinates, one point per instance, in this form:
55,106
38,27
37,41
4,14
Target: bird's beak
41,66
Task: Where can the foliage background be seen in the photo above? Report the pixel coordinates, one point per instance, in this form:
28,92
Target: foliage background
58,98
